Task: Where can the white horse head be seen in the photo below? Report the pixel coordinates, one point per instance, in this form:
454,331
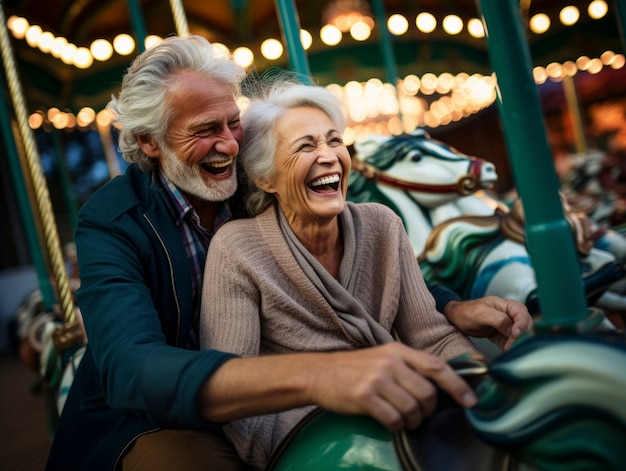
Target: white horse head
413,171
432,172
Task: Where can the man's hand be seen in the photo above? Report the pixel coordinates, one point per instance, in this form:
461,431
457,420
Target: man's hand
486,316
395,384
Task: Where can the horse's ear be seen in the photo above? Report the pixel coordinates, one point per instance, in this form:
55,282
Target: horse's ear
369,146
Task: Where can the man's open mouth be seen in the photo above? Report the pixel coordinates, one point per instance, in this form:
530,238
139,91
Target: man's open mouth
217,168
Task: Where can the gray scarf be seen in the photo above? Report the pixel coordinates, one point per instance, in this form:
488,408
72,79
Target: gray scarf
361,327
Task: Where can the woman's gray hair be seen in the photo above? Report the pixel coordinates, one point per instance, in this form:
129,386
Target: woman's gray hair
141,107
259,140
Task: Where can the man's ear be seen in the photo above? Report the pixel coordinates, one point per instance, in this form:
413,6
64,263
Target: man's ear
149,146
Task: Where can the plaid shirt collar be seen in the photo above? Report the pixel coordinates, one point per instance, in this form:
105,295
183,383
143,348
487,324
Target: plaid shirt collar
184,210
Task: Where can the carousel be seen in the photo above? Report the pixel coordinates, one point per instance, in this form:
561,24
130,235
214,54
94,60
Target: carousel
521,225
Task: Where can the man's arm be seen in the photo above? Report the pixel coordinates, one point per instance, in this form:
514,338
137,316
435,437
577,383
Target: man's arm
483,317
393,383
442,295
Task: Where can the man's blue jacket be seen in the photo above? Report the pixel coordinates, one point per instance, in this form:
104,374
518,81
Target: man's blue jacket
136,301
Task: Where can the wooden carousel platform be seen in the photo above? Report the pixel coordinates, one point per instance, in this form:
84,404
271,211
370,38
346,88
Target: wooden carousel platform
24,436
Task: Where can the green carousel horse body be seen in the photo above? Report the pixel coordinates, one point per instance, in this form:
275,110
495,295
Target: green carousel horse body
550,403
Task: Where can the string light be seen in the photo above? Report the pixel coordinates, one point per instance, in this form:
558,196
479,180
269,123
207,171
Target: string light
152,40
83,58
452,24
271,49
124,44
475,28
243,56
360,31
426,22
101,49
45,42
397,24
306,39
569,15
330,35
597,9
539,23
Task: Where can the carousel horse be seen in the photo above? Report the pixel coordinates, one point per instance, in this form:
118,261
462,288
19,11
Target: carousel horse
417,176
593,183
428,184
443,441
495,260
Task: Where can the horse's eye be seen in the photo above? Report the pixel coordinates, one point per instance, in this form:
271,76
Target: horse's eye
416,157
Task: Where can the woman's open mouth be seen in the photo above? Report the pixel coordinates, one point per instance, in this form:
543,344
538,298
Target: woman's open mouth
325,184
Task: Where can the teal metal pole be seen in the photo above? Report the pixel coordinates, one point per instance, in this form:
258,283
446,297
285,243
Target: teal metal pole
549,238
32,238
620,6
139,26
385,43
290,25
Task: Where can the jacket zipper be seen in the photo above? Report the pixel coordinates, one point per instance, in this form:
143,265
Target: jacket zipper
171,266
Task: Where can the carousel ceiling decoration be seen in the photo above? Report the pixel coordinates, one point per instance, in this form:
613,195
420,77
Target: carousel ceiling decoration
426,99
340,17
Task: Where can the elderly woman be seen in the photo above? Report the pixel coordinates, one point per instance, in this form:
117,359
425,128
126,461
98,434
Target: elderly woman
310,272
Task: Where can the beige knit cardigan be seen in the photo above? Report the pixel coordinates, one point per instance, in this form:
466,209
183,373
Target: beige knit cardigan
259,297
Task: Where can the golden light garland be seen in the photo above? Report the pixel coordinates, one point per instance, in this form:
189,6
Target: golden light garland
373,106
430,100
330,35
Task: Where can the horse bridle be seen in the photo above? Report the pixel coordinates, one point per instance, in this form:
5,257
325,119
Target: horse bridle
465,185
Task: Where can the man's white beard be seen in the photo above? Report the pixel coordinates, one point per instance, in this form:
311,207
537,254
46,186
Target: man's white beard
189,179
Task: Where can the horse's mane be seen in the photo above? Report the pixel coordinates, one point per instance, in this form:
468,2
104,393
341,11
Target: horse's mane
416,143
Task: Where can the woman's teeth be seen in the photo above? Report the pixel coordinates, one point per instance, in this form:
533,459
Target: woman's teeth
331,181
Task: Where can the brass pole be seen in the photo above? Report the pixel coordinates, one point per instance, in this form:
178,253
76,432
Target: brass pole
42,196
573,106
180,20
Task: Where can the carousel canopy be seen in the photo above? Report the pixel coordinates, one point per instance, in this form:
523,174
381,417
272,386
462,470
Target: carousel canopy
447,40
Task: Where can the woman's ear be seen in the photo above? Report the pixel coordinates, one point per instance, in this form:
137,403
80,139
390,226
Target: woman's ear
265,186
148,145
